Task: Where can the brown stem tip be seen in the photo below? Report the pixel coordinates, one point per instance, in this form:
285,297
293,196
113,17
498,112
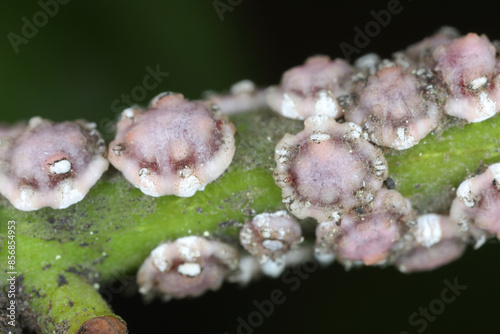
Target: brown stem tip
104,325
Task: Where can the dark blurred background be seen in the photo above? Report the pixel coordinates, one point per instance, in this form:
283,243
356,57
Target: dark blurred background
81,62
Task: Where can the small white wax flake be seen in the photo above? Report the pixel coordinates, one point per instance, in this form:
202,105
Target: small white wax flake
145,184
206,234
404,140
336,216
478,83
272,245
288,108
266,233
487,106
324,258
480,241
357,130
368,61
428,230
58,257
495,170
189,269
273,268
243,86
319,137
128,113
159,259
326,105
96,286
60,167
281,152
189,185
465,194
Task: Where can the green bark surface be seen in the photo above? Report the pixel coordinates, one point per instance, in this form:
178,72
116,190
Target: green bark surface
60,254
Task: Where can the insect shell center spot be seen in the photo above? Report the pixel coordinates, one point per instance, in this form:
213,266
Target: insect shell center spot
62,166
272,245
180,150
189,269
320,167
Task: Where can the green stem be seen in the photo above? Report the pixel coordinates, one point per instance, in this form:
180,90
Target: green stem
115,227
430,172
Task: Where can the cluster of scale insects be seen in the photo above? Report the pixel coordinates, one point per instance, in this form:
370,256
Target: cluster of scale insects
333,171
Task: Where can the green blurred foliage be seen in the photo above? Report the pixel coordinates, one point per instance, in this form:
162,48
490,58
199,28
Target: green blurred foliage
92,52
